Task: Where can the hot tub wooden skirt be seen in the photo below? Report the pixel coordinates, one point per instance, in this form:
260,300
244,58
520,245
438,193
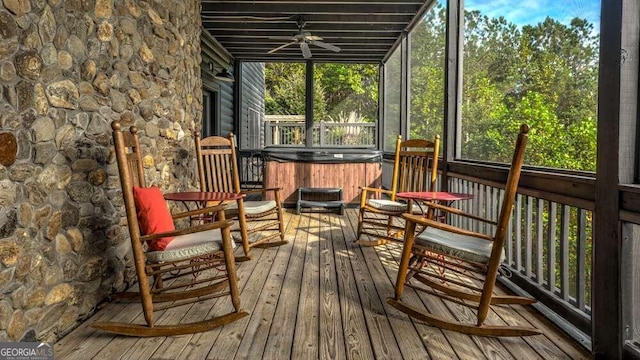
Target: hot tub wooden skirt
289,176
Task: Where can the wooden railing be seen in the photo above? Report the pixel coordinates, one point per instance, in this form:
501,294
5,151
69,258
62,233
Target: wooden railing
325,134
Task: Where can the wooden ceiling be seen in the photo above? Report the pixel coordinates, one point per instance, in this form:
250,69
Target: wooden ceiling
364,30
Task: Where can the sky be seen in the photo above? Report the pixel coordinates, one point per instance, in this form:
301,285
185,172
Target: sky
525,12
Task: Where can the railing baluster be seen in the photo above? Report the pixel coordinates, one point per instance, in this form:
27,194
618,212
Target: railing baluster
539,241
509,240
480,206
528,248
494,204
581,254
473,204
551,248
564,252
518,226
467,221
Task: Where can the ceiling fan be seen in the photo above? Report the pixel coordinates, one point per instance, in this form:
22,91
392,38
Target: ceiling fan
303,39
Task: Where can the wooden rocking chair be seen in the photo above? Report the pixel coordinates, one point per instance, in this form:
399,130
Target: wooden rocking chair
187,266
470,262
218,171
415,168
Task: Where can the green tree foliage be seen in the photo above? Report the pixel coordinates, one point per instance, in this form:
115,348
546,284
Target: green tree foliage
349,88
285,90
426,118
544,75
338,89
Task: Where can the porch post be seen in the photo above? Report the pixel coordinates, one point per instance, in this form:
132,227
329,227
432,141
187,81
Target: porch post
381,101
453,86
405,96
308,103
606,324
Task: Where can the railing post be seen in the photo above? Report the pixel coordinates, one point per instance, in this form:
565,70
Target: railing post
268,133
322,127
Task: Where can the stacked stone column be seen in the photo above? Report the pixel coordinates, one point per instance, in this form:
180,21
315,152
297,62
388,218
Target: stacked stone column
67,69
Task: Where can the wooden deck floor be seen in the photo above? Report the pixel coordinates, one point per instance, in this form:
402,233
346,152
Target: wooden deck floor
319,297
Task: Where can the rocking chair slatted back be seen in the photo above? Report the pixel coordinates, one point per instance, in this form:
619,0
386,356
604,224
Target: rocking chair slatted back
415,169
219,172
217,158
414,160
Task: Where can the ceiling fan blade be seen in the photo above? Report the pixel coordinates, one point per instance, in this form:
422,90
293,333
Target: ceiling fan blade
312,37
305,50
280,47
325,45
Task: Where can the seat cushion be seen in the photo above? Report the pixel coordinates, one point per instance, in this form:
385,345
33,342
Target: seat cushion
153,215
189,245
388,205
461,246
254,207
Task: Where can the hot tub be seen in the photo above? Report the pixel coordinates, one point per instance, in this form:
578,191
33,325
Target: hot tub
291,168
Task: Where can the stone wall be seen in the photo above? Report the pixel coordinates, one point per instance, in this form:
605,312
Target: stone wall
67,69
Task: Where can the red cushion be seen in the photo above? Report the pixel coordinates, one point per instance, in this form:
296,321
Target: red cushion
153,215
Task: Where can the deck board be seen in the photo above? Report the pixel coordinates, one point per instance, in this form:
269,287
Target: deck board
331,335
320,297
354,324
306,337
254,341
280,341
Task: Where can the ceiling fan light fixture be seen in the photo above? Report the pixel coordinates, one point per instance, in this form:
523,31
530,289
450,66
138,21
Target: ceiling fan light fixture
225,76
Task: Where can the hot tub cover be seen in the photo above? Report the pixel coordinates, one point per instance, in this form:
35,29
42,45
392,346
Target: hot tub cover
322,155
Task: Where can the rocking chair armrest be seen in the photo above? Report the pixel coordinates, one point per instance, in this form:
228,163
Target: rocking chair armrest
257,191
205,210
455,211
192,229
366,189
419,219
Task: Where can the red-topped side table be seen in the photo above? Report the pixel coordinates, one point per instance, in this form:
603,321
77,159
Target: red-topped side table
201,198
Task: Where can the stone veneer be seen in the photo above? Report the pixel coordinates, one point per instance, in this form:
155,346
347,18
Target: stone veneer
67,69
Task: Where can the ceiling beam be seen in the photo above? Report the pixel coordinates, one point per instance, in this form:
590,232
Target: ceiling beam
298,7
268,47
310,26
403,19
326,34
351,59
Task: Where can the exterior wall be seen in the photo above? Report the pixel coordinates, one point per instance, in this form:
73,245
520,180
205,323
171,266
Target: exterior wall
226,108
67,69
252,106
218,57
